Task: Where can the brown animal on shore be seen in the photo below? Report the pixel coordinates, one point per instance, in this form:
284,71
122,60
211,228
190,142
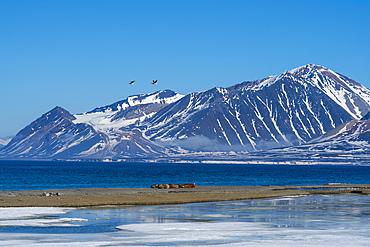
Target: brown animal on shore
173,186
166,186
188,185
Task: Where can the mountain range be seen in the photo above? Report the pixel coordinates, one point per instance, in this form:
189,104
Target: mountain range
304,107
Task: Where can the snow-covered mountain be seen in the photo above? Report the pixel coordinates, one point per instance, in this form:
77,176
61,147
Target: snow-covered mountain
52,134
288,109
292,108
95,134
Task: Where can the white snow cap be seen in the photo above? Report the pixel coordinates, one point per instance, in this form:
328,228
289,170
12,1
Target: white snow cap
341,89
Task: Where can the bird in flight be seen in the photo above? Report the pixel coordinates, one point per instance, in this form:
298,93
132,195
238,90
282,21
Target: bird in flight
154,82
132,82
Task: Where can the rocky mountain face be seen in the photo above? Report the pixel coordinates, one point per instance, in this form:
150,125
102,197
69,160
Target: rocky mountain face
289,109
95,134
347,93
349,139
53,134
347,144
352,135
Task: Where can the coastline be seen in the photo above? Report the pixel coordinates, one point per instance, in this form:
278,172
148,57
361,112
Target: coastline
86,197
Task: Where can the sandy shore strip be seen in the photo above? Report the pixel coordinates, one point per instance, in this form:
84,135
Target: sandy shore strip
152,196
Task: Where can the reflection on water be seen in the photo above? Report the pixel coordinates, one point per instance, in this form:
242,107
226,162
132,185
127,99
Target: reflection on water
310,212
289,220
305,212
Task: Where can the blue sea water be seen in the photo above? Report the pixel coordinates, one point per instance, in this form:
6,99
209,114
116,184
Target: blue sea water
318,220
41,175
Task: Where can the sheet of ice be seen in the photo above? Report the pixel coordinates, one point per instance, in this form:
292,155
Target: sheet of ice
60,222
35,216
289,221
28,212
197,234
240,234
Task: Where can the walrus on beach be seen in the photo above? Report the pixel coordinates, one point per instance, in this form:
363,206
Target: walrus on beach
166,186
173,186
188,185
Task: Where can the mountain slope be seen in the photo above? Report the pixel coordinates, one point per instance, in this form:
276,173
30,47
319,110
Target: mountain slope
289,109
96,134
52,134
128,111
349,94
351,135
348,144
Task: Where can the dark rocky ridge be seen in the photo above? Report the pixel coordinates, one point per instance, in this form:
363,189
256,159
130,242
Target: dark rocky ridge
287,112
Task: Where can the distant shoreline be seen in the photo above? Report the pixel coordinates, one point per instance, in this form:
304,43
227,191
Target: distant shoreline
293,162
147,196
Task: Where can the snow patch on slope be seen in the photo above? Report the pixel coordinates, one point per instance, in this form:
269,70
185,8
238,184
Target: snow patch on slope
4,142
102,119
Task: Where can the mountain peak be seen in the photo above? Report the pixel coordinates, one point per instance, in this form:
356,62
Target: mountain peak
307,67
160,97
57,112
310,70
349,94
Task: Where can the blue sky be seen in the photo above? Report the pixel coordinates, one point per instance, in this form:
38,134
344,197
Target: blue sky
82,54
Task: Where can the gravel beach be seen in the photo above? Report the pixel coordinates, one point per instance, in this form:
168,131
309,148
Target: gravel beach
152,196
